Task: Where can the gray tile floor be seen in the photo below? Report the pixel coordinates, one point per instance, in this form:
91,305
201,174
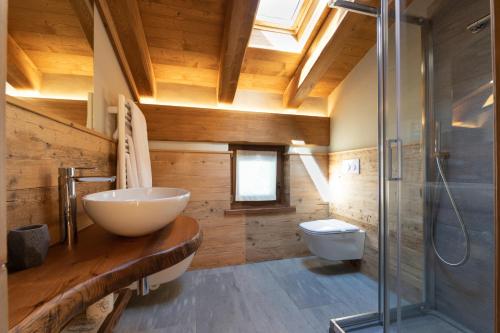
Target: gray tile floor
293,295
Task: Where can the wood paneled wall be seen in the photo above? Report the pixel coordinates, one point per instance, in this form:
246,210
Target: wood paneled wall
355,200
172,123
36,147
3,222
73,110
229,240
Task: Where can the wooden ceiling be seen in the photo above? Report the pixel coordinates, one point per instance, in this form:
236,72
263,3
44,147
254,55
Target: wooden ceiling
49,37
189,43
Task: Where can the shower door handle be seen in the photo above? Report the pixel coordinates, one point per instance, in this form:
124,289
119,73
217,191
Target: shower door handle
398,144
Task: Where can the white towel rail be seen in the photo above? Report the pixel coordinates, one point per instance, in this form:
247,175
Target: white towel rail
124,130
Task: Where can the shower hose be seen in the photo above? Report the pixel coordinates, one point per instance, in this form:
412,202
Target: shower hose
465,257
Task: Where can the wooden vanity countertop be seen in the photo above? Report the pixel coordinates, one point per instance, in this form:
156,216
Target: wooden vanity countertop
47,297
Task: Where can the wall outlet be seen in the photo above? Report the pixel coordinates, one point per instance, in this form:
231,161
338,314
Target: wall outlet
350,166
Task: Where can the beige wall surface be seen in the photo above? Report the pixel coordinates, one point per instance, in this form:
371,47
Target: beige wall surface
109,80
353,104
353,107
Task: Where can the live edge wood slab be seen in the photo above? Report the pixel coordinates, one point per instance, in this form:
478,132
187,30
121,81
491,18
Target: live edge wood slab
45,298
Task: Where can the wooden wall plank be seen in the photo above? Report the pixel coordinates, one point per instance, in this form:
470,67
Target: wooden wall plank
3,77
36,147
355,200
172,123
240,18
4,317
230,240
125,30
73,110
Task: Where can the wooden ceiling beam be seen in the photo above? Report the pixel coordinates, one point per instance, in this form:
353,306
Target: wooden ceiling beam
125,29
84,10
327,47
22,73
239,22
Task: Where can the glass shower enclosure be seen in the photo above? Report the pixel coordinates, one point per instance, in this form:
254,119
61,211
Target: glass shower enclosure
436,167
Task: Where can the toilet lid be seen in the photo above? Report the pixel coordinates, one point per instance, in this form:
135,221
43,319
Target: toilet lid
328,226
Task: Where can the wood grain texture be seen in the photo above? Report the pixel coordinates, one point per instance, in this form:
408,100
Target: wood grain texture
84,10
185,43
231,240
172,123
3,78
123,23
36,147
100,264
338,37
119,306
72,110
3,218
278,208
22,104
355,200
52,36
4,306
184,39
240,18
22,72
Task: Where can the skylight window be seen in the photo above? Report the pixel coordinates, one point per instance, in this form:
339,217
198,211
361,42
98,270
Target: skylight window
280,13
286,25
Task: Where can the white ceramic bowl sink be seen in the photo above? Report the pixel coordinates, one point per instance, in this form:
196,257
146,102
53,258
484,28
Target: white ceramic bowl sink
136,211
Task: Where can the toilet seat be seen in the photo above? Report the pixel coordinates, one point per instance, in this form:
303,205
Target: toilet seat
325,227
333,239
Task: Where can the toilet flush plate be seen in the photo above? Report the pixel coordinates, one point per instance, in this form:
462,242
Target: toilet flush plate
350,166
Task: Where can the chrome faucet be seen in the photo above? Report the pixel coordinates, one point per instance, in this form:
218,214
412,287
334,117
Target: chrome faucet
67,201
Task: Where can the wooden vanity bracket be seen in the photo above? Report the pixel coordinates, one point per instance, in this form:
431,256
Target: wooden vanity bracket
46,298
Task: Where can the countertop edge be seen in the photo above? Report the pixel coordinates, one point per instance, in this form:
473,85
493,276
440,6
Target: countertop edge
56,313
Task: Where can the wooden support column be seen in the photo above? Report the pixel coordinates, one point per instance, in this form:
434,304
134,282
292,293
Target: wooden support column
240,18
327,48
85,12
125,30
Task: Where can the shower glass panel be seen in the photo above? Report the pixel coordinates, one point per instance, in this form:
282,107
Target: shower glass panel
405,115
439,183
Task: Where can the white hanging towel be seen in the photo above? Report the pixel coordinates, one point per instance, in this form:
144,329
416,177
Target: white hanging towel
131,164
141,147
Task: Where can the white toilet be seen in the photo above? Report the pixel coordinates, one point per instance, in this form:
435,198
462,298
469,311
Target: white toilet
333,239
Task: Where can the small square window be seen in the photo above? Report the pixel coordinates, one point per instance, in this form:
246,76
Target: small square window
257,175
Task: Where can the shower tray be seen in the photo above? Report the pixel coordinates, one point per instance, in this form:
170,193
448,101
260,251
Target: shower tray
426,322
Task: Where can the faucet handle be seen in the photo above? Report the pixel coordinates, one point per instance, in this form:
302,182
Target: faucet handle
71,171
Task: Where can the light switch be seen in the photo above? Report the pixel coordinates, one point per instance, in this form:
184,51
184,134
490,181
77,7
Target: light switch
350,166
